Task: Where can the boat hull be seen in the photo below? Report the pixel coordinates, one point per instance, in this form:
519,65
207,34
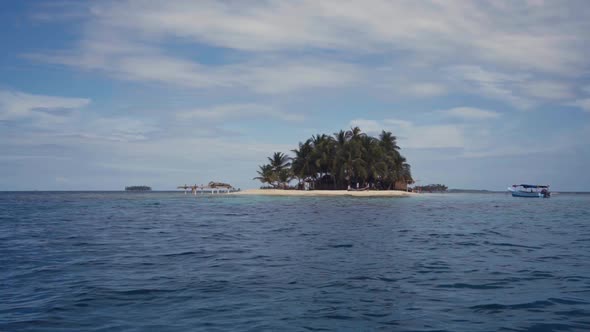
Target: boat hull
526,194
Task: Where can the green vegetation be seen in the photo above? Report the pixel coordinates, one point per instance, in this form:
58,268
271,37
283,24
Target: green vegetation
431,188
138,188
339,161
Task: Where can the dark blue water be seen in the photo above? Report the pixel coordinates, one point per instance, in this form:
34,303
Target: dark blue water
170,262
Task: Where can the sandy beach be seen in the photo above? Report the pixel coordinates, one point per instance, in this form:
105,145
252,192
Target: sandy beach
280,192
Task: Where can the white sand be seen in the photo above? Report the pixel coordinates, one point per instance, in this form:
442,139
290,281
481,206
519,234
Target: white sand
280,192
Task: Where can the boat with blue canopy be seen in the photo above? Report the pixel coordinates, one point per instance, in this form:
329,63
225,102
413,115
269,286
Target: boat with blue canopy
530,190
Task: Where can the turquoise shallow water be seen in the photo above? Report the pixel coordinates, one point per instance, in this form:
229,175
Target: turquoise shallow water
100,261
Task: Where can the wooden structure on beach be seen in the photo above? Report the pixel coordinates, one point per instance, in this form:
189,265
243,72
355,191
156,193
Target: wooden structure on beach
401,185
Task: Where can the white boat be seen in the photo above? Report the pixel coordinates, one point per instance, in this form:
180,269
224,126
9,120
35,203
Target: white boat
530,190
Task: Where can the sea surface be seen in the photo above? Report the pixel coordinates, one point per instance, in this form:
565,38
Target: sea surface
165,261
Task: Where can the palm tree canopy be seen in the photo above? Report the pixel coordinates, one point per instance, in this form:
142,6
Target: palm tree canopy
279,161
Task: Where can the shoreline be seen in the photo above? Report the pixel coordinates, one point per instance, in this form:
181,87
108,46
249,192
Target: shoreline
316,193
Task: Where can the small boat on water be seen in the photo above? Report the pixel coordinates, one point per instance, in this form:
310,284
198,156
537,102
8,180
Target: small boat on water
530,190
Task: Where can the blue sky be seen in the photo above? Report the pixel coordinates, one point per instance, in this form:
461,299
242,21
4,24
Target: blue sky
104,94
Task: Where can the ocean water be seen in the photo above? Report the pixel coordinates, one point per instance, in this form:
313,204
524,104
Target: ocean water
116,261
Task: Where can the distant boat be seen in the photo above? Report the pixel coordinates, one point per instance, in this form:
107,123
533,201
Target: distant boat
529,190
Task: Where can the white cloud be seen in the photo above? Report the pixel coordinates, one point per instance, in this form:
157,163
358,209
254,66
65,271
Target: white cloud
415,136
474,140
129,61
400,123
491,84
515,49
509,151
441,28
547,90
521,90
120,129
14,105
93,128
237,112
56,11
424,89
470,113
61,116
435,137
126,39
290,76
368,126
406,79
19,157
582,103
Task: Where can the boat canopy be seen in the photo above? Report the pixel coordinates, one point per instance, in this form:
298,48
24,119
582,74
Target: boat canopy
530,186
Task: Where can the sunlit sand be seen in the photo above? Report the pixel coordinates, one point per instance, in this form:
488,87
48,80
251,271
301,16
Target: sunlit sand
368,193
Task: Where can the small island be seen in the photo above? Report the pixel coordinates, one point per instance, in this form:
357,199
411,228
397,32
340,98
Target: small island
345,163
138,188
431,188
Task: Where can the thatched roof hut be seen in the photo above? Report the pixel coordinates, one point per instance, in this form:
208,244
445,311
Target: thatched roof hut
213,184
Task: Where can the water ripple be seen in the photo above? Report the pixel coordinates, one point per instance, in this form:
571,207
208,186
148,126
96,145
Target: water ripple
172,262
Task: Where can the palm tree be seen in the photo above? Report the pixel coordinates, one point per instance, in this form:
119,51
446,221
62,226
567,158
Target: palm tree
354,133
406,174
387,141
375,159
353,165
303,166
278,161
340,141
323,153
284,177
266,174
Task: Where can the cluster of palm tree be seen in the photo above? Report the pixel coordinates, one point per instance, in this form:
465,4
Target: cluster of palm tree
336,162
277,173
